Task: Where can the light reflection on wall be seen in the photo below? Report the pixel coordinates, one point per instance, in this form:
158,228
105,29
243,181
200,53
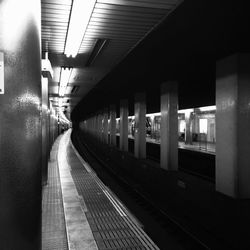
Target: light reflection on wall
27,99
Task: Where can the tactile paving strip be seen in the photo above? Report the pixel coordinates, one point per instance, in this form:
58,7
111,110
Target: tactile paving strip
112,227
53,223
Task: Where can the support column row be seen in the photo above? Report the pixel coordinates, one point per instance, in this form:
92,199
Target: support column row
232,125
169,125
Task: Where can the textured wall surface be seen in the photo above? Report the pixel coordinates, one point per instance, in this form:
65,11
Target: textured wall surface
20,125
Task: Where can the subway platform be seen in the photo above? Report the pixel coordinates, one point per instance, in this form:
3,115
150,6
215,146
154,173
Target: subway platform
80,212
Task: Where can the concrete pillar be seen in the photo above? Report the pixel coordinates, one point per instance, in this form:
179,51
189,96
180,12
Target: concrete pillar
124,125
99,126
57,125
90,126
113,124
20,125
51,132
87,125
45,137
105,126
232,126
52,126
196,122
140,125
96,126
90,129
169,126
188,129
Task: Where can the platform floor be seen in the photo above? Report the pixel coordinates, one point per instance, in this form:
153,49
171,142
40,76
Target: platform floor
93,217
53,222
202,147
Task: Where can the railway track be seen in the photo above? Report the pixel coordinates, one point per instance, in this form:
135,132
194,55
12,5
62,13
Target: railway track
163,223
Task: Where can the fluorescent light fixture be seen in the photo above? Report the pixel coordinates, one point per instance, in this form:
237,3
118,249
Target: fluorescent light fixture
80,14
64,79
208,108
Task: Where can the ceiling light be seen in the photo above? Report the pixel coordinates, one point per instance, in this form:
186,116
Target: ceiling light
80,14
64,79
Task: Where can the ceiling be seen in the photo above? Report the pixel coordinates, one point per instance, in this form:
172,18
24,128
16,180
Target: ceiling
120,24
184,47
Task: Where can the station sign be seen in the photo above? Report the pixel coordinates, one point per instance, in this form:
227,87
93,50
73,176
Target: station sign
1,73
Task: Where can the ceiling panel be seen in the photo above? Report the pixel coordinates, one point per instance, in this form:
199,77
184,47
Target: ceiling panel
122,23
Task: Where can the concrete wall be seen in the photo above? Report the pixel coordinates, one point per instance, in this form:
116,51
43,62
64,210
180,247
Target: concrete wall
45,130
20,125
